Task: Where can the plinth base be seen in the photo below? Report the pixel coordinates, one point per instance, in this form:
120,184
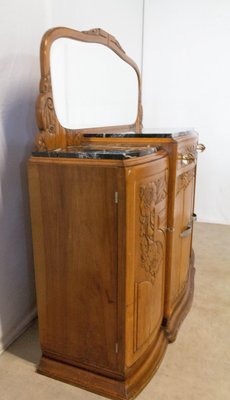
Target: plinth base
105,386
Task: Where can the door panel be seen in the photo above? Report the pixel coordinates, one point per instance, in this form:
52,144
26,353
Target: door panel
182,236
144,294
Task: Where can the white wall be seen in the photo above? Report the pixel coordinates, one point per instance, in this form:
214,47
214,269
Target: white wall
186,83
121,18
22,24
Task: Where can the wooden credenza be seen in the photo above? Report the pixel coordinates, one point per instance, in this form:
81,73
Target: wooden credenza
113,261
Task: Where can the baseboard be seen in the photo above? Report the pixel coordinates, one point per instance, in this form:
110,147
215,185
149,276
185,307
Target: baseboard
214,222
17,330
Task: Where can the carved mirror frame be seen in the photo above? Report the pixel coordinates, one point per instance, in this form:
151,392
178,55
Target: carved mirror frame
52,134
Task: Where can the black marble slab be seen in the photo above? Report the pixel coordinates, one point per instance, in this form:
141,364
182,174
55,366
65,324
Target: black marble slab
146,133
96,153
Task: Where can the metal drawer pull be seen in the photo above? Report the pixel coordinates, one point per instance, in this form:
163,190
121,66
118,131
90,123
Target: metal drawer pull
194,217
186,158
186,232
190,157
200,147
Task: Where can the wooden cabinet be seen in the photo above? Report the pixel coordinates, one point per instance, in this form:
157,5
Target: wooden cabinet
99,246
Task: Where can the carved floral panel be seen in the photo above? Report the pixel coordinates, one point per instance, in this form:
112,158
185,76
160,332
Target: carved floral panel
184,180
151,250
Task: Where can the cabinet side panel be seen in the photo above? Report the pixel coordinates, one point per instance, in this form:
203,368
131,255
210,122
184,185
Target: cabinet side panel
78,272
146,241
38,246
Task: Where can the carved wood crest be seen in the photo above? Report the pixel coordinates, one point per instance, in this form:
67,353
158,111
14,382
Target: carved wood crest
151,250
110,38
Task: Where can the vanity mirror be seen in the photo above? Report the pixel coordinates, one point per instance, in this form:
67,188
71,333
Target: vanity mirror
92,87
88,83
112,210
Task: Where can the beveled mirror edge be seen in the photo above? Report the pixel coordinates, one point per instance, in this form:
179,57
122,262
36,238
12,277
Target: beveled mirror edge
51,133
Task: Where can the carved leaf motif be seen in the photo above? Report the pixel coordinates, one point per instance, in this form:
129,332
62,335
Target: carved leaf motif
51,134
49,115
151,250
191,149
184,180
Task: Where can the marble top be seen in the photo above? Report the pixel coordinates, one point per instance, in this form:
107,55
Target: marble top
145,133
89,152
113,151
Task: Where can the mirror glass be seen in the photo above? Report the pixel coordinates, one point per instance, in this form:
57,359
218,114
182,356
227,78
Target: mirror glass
92,85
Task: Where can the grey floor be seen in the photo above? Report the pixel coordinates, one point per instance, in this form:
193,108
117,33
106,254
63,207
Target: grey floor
195,367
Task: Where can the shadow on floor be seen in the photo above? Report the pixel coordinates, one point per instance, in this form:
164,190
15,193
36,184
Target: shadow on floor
27,346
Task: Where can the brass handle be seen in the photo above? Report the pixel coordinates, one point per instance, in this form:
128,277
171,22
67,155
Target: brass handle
194,217
186,232
200,147
186,158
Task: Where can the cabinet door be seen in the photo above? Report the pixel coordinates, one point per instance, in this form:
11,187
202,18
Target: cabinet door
182,236
74,218
147,188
